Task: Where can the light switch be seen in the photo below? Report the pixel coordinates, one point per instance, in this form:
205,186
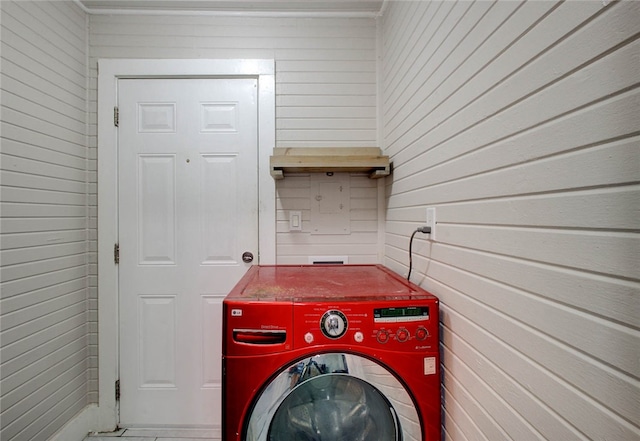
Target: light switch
295,221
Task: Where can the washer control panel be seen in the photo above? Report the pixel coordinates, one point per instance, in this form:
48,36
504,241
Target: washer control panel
401,323
410,327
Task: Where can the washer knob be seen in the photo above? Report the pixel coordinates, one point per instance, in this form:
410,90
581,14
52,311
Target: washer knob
382,336
308,337
333,324
402,335
358,337
422,333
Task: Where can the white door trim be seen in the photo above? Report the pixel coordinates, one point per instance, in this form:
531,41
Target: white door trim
109,71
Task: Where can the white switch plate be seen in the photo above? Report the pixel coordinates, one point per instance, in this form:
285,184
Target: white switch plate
295,221
431,222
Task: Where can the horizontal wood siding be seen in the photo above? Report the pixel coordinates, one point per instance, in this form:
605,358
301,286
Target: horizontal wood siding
325,67
325,97
518,121
44,243
295,193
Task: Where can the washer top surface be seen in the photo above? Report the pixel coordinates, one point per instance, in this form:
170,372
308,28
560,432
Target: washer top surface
317,283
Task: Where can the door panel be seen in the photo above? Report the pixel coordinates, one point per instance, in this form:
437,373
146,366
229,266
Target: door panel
157,340
219,209
187,167
157,210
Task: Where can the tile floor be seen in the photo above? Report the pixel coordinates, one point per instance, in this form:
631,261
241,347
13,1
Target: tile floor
157,435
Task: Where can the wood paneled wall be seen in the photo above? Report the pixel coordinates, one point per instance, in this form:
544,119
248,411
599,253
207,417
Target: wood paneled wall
44,350
325,97
518,121
360,245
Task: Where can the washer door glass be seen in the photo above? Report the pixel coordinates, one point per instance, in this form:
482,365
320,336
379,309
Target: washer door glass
334,407
333,397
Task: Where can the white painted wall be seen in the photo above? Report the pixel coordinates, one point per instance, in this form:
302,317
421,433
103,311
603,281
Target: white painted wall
325,67
44,352
519,123
325,97
298,193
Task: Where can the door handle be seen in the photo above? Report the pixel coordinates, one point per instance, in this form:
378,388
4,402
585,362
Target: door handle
247,257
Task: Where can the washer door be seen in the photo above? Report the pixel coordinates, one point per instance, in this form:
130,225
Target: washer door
333,397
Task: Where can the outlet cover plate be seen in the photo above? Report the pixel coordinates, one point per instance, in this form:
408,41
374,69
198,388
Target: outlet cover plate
431,222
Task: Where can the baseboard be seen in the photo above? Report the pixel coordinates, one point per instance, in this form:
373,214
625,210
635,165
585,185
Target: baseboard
79,426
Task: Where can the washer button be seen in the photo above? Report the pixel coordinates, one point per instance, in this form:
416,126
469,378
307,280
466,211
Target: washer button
358,337
308,337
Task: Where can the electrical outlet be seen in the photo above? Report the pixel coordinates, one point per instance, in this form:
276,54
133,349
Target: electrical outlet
431,222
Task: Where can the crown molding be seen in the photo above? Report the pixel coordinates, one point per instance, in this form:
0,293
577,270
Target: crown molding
234,13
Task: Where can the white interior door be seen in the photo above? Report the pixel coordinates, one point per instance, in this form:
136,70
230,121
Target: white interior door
188,210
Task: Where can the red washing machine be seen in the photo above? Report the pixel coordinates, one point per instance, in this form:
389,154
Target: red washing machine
330,353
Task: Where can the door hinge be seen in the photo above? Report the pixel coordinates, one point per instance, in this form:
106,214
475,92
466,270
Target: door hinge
116,116
116,253
117,386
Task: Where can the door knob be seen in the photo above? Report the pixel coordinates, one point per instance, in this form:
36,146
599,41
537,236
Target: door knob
247,257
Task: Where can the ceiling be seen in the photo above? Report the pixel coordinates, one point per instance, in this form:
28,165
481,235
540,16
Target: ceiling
212,6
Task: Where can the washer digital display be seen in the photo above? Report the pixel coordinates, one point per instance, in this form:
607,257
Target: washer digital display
403,314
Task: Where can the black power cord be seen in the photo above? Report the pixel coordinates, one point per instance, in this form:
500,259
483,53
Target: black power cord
425,230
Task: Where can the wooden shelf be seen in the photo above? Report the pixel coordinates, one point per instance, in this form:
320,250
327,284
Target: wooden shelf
331,159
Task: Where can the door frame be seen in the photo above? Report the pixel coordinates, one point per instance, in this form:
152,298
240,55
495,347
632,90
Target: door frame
109,72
